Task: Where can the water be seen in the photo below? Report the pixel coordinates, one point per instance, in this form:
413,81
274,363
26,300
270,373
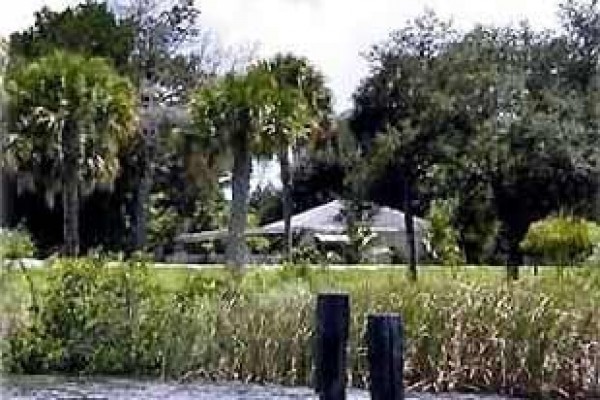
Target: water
63,388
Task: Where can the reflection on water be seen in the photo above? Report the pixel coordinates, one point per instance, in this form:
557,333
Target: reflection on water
46,388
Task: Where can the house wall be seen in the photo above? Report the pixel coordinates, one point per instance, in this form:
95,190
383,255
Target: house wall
397,240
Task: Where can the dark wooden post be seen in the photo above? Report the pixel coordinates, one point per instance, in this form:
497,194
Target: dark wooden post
333,316
386,359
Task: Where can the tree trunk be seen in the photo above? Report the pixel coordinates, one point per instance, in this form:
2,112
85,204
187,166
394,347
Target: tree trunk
242,167
7,196
142,196
514,260
409,223
70,192
512,272
286,201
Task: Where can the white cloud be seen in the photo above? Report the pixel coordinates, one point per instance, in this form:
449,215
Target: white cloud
332,33
18,14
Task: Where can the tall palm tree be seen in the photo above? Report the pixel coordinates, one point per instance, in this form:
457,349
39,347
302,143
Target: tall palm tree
3,65
69,115
235,118
298,73
4,203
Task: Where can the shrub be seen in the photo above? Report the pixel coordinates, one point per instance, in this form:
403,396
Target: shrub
594,258
358,216
162,222
15,244
306,254
258,244
93,319
442,236
561,239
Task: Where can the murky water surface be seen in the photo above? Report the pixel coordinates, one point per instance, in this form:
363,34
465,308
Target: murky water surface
47,388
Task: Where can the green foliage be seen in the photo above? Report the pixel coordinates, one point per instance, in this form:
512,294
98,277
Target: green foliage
258,244
246,109
201,285
532,339
297,270
504,119
267,203
3,54
594,232
90,29
308,121
561,239
236,117
594,259
133,36
61,90
298,73
442,235
4,59
94,318
357,216
15,244
3,64
69,117
305,254
163,221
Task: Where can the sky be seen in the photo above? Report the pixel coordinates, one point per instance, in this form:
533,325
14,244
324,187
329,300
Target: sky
334,33
331,33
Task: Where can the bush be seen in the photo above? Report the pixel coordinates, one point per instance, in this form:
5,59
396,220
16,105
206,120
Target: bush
306,254
258,244
163,221
594,259
15,244
358,216
93,319
442,236
561,239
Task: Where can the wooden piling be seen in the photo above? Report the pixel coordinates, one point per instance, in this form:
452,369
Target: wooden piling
333,317
385,354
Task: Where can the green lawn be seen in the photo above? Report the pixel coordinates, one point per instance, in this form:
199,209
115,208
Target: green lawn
173,276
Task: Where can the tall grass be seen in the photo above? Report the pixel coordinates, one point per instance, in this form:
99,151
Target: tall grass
476,332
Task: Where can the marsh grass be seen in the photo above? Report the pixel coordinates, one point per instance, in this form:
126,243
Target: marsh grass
466,330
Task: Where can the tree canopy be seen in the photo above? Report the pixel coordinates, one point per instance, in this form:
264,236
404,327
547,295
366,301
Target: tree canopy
69,116
503,119
239,116
89,28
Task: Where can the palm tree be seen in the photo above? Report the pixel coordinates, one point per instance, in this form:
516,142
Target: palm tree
69,115
235,118
3,65
297,73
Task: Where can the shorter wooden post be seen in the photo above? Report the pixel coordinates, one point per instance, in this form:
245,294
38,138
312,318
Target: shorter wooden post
386,359
333,317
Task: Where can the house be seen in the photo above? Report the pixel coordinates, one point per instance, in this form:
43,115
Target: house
326,225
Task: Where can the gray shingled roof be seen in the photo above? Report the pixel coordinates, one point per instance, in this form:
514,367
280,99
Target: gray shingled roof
327,218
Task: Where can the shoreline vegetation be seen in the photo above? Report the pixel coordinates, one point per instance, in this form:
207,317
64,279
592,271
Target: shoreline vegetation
467,329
